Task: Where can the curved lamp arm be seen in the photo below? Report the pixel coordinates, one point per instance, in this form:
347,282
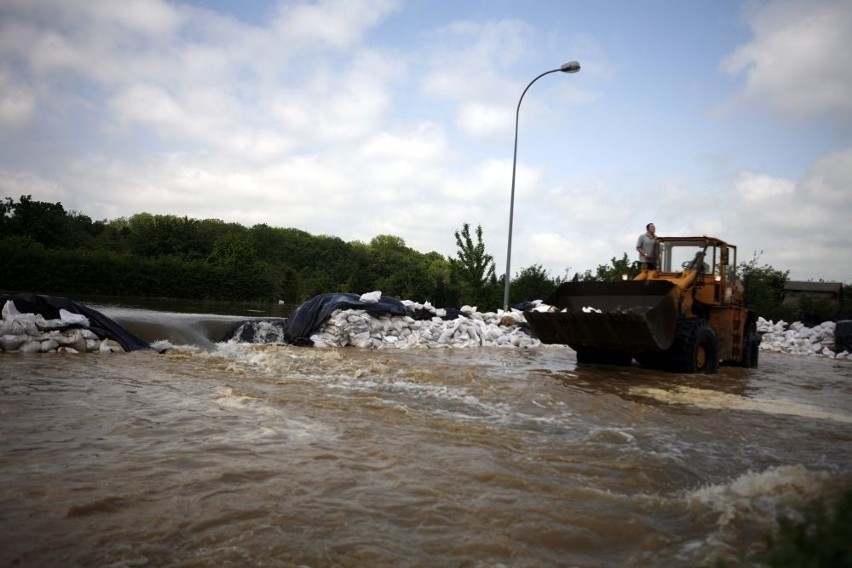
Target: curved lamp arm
570,67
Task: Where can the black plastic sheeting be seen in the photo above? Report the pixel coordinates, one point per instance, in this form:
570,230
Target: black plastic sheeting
99,324
843,336
310,316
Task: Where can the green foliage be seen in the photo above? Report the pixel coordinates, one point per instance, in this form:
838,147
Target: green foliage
612,272
46,223
473,269
444,288
764,289
813,311
28,266
286,284
233,250
168,235
388,265
532,283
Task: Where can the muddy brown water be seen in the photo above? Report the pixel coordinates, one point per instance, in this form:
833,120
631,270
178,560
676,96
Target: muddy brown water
249,455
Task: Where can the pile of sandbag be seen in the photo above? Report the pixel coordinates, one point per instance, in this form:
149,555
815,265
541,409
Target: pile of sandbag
32,333
798,339
469,329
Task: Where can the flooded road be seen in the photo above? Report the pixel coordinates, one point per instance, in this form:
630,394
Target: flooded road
270,455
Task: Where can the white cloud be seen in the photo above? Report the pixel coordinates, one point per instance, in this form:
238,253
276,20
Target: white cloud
17,101
310,117
148,104
17,183
799,59
799,224
484,183
464,57
762,188
553,249
334,23
829,181
149,18
482,119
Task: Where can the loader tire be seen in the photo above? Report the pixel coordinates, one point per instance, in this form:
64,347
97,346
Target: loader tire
599,355
751,346
695,348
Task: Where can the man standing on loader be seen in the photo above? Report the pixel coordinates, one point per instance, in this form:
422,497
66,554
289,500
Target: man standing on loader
646,247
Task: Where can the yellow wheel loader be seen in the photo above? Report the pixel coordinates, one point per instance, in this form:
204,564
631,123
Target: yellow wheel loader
687,316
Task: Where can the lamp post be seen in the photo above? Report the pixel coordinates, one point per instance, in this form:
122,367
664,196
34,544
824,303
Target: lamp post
570,67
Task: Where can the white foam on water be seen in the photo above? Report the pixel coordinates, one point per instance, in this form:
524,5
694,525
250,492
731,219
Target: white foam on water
617,436
761,496
391,386
166,345
704,398
752,502
271,421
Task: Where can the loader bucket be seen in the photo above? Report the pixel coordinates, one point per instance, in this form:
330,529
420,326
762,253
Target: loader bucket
628,316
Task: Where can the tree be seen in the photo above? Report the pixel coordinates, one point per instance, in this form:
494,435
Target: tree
612,272
444,292
473,267
288,285
46,223
533,283
233,250
388,242
398,271
362,275
764,288
814,311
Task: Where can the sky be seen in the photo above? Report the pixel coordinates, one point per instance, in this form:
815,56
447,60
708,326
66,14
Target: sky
359,118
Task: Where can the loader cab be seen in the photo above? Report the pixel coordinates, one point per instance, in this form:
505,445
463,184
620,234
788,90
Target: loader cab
715,260
677,255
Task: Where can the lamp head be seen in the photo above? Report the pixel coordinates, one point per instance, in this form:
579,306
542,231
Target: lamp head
570,67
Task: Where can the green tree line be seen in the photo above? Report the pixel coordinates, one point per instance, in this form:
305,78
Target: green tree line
44,248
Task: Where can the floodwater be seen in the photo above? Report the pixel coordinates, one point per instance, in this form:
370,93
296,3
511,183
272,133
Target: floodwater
269,455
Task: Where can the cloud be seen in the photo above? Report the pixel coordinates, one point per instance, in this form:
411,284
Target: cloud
829,181
762,188
464,58
153,57
553,249
482,119
799,58
796,223
17,183
336,24
358,118
17,101
473,64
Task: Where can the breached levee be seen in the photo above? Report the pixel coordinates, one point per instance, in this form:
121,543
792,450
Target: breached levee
470,329
375,321
34,323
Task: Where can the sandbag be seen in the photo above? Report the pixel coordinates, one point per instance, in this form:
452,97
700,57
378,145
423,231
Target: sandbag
308,317
51,307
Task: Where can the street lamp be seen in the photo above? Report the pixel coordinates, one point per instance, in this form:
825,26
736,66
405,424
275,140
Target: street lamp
570,67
